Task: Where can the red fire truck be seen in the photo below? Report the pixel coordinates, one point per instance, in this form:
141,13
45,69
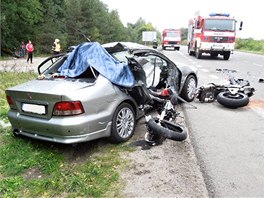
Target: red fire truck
171,38
214,35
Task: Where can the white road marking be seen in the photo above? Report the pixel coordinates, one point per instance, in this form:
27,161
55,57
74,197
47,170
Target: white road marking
180,53
205,70
257,65
214,76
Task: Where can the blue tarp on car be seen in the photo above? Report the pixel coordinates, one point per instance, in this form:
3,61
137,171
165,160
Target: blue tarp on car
94,55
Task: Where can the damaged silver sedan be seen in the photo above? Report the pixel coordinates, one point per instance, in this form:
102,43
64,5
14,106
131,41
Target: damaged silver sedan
92,92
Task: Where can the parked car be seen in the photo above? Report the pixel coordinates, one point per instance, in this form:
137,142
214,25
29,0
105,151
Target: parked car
94,91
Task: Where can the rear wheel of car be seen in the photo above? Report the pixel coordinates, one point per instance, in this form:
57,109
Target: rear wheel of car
189,87
123,123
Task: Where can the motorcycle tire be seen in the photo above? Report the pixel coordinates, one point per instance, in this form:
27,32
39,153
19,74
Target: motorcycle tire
167,129
232,101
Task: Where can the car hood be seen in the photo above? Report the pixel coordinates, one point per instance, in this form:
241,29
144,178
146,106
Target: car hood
54,86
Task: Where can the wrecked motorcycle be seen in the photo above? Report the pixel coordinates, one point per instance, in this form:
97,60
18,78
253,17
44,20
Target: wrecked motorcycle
234,93
161,127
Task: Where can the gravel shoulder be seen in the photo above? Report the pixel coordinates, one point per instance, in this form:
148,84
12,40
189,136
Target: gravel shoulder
167,170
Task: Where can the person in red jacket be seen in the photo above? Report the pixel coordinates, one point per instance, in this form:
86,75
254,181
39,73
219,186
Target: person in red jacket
30,49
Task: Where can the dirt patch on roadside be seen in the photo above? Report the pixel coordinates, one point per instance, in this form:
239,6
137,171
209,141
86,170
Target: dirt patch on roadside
167,170
33,173
20,65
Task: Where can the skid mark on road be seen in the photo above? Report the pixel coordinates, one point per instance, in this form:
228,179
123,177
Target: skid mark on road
257,105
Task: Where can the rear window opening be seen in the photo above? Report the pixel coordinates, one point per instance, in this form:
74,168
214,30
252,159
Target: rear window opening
90,73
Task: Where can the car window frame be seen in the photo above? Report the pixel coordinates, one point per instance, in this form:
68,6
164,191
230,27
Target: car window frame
54,60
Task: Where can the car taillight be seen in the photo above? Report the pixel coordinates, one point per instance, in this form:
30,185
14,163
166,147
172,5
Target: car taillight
68,108
9,100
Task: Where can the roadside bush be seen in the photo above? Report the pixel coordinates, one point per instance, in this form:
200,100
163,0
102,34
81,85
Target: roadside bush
250,44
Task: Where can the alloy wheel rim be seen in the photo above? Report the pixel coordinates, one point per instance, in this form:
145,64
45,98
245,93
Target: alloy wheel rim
125,122
191,88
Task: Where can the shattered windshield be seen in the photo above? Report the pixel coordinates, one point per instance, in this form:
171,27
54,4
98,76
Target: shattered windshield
173,34
122,56
220,24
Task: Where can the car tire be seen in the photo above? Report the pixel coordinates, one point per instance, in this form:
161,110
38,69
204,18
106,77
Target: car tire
123,123
189,88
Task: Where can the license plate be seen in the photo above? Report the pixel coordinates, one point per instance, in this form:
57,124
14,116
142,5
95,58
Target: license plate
34,108
218,46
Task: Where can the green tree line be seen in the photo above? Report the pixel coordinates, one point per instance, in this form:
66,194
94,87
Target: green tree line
74,22
71,21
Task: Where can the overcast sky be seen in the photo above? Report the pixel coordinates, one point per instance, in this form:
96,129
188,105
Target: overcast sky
176,13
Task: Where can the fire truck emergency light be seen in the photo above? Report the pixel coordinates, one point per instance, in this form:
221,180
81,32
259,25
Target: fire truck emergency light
219,14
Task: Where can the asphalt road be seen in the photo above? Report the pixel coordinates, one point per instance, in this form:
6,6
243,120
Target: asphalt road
228,142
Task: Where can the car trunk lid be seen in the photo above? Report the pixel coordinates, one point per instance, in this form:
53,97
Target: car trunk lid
37,98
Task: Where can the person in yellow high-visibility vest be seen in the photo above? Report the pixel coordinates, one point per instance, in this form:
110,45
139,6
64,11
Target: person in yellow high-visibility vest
56,48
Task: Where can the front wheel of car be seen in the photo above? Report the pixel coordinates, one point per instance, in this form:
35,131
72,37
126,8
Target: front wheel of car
198,54
123,123
189,88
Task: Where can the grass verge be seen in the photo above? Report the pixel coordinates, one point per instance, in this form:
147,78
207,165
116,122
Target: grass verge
9,79
31,168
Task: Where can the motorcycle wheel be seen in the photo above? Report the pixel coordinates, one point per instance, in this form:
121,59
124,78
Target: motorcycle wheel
167,129
232,100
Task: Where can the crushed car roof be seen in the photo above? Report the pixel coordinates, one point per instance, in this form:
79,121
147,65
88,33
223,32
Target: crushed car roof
92,54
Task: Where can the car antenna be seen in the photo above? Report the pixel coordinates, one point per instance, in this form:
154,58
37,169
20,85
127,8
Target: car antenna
77,30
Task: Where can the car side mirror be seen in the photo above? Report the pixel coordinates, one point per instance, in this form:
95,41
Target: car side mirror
241,25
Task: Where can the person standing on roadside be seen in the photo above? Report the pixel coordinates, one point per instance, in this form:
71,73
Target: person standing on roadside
22,50
56,48
30,50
